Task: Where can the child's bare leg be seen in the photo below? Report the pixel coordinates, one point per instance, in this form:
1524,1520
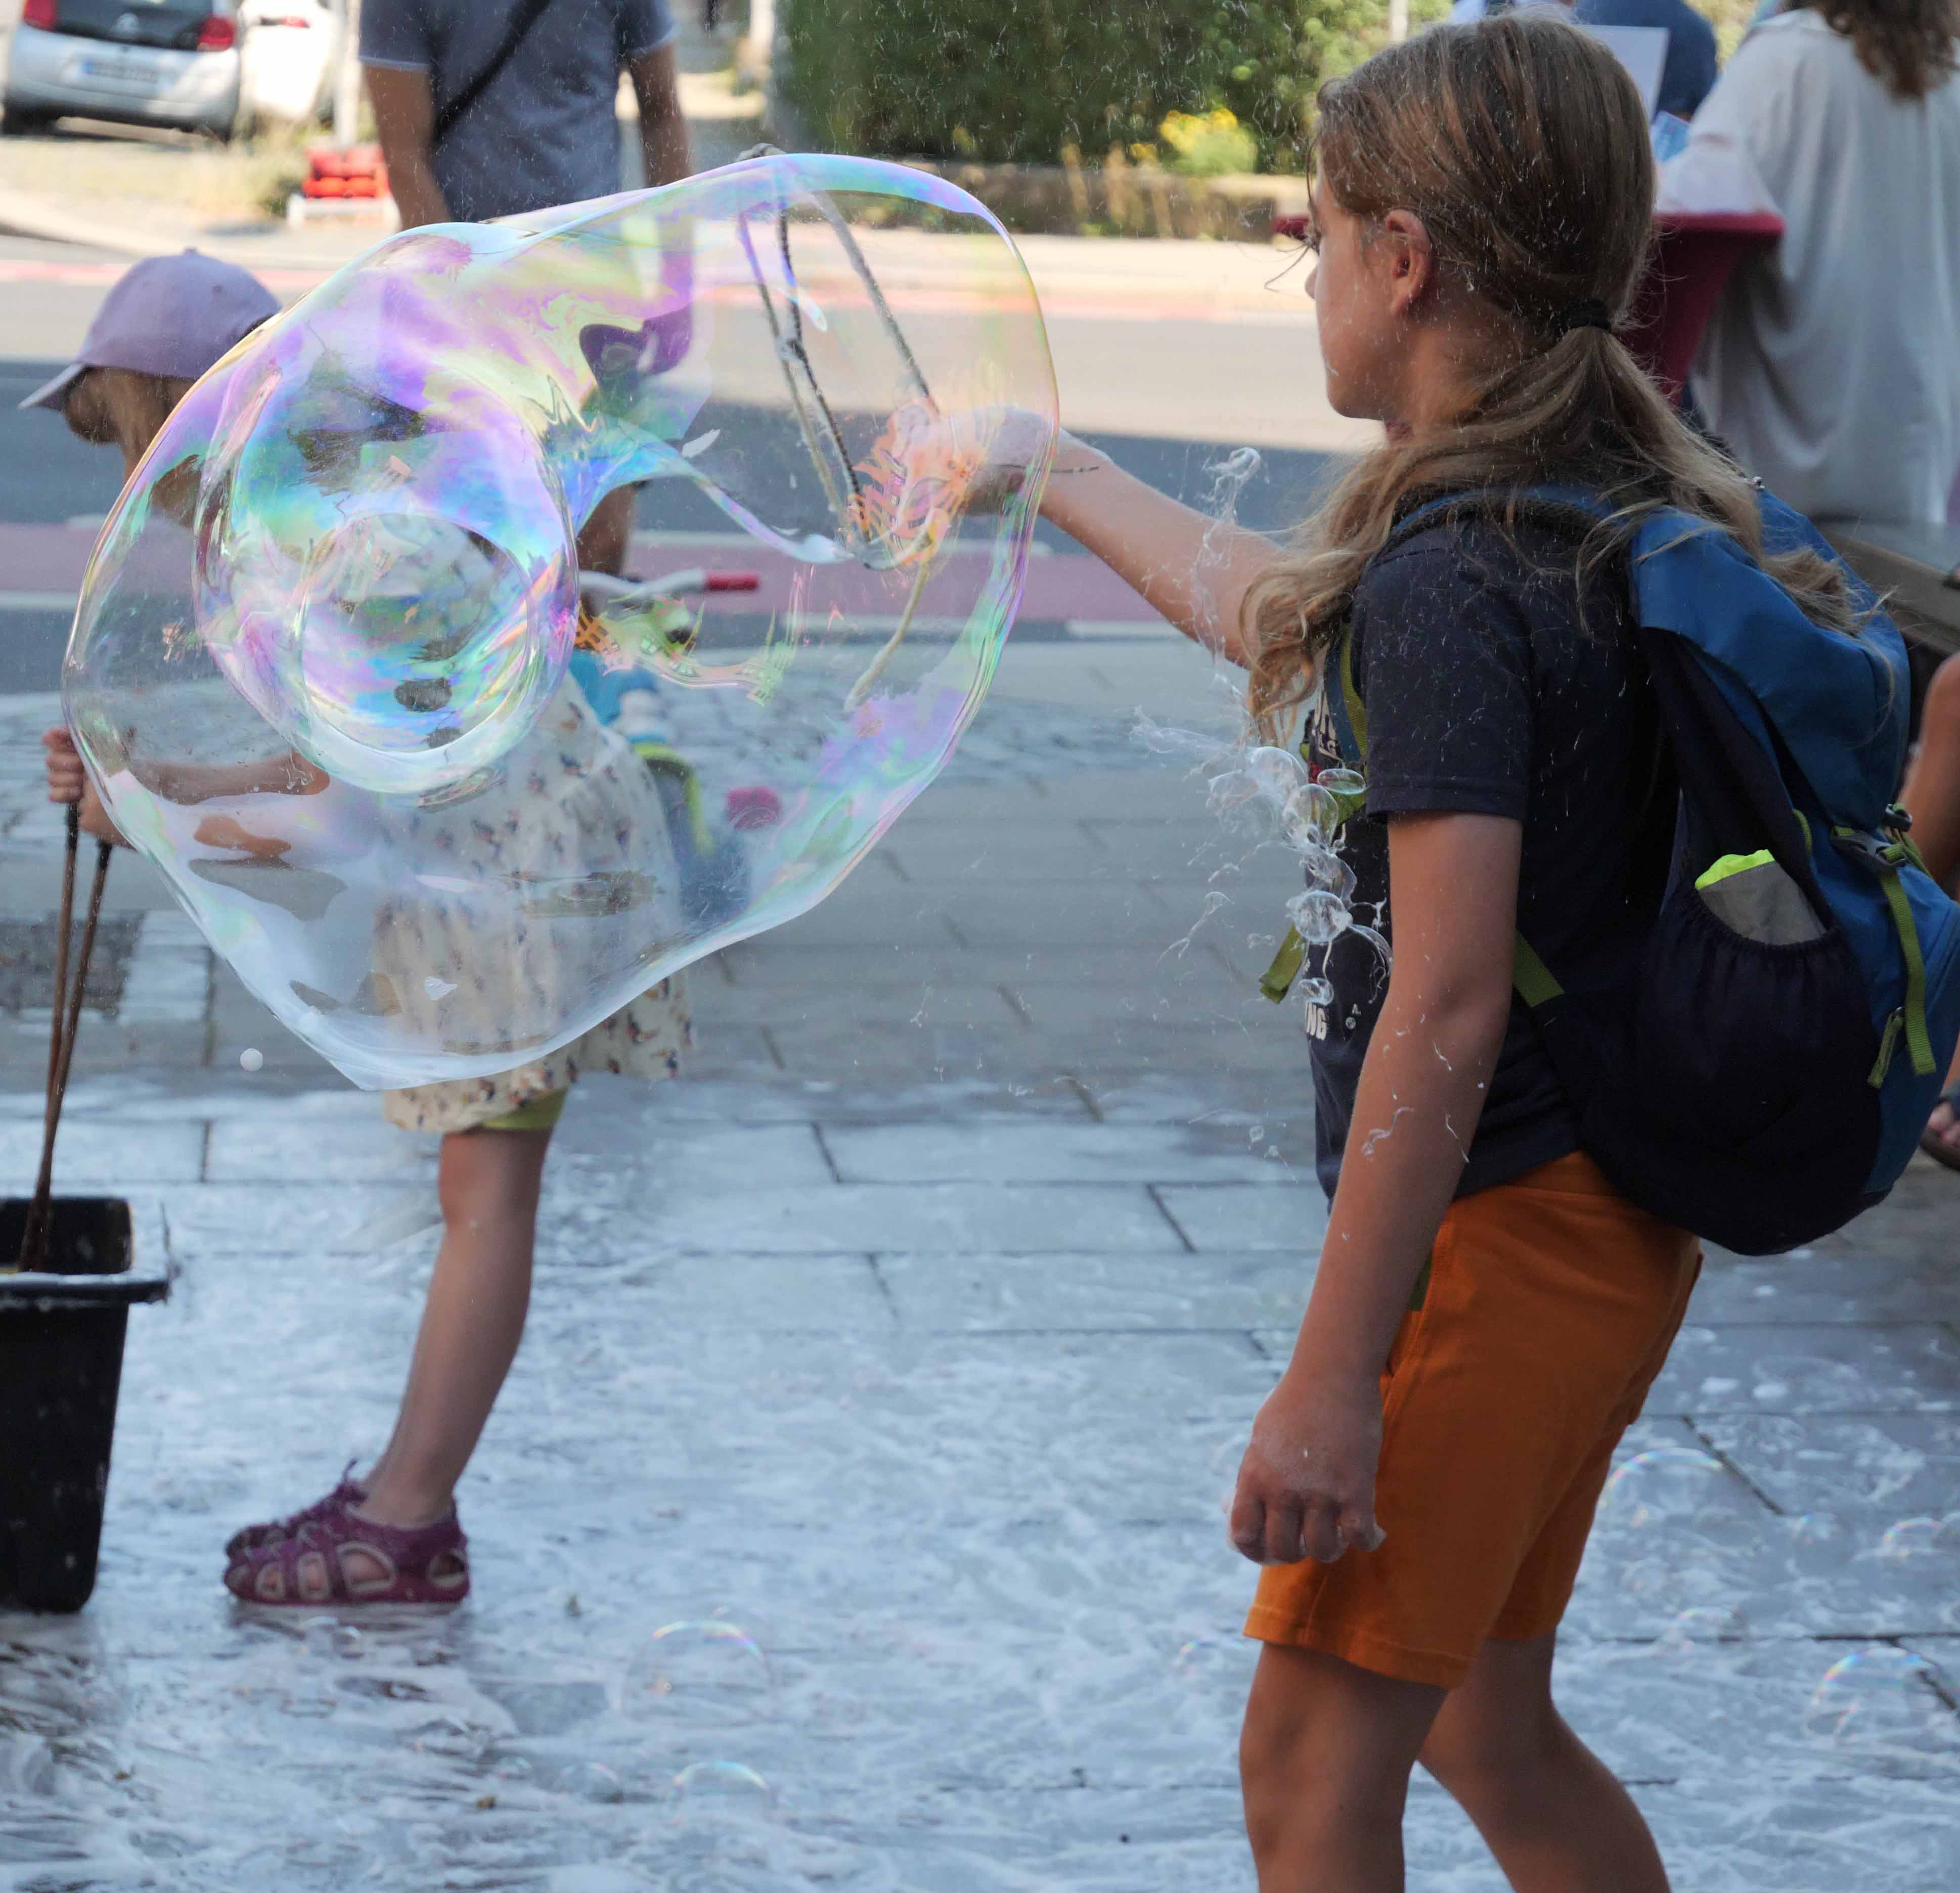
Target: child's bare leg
1325,1759
1546,1806
488,1182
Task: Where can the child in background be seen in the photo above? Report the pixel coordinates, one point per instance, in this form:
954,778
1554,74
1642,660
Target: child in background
1488,1313
391,1537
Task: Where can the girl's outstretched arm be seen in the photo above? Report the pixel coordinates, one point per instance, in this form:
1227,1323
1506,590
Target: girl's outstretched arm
1190,567
1307,1487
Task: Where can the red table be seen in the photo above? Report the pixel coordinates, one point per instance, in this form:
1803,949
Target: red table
1695,253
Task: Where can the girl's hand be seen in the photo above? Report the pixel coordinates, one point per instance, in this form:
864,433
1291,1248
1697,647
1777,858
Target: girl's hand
1307,1486
67,782
1001,443
988,451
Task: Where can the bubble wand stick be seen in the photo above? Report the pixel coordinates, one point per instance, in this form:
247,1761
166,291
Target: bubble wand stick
786,331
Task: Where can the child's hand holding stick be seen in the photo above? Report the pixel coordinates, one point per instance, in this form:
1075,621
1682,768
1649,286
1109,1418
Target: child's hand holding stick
67,782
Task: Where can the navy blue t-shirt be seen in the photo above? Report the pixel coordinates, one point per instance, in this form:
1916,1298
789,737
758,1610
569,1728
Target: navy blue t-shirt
1493,688
544,131
1687,76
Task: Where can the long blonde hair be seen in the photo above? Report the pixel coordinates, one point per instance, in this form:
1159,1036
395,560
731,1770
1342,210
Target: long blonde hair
1521,144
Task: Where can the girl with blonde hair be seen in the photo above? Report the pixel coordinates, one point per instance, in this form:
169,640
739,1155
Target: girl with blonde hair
1488,1312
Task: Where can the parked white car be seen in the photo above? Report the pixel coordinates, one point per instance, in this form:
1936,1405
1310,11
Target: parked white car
290,52
190,64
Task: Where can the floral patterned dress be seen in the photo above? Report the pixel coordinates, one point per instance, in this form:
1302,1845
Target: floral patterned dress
572,799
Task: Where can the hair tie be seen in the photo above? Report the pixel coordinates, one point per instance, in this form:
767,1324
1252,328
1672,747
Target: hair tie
1592,313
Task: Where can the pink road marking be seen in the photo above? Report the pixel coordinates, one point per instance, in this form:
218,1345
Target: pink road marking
52,558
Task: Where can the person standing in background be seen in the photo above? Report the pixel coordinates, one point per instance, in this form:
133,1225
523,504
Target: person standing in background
492,108
1688,76
1832,368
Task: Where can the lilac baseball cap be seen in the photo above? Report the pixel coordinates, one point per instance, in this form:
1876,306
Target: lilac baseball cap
171,315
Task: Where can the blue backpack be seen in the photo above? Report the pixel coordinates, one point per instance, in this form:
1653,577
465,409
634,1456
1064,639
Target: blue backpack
1767,1072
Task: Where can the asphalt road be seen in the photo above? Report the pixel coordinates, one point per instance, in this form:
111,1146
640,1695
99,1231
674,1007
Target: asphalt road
48,477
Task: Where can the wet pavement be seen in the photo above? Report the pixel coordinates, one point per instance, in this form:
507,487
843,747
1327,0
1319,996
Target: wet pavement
852,1517
896,1365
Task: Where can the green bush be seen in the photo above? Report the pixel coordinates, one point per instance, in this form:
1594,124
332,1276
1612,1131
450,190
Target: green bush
1021,81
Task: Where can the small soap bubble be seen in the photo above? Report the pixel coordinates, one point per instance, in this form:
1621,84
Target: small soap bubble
1705,1624
1202,1659
251,1058
593,1781
321,1635
1886,1699
1668,1485
1808,1383
725,1784
707,1674
1318,916
1911,1540
1652,1580
30,1764
1317,991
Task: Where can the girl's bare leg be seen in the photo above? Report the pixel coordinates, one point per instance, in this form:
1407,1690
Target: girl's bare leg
1547,1806
1325,1759
489,1182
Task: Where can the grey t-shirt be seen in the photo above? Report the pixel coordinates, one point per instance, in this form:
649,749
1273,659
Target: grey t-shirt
544,132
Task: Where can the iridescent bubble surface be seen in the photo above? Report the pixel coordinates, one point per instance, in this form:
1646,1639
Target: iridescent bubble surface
331,670
709,1673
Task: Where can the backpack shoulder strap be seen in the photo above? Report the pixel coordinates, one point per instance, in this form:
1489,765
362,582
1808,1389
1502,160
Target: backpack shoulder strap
524,16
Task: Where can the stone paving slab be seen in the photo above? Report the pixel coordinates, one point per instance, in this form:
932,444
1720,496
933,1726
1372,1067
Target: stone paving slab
103,1156
1058,1293
1867,1368
1891,1466
1045,1153
1291,1216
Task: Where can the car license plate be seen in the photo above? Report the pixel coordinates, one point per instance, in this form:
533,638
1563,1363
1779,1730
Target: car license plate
126,69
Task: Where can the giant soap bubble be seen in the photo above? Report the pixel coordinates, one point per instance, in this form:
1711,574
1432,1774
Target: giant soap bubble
331,670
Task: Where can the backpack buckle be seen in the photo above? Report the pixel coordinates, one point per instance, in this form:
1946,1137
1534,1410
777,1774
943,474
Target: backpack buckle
1862,845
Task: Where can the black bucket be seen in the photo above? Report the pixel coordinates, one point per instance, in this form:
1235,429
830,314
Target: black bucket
61,1365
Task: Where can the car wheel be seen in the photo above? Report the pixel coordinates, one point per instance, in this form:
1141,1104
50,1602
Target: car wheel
16,123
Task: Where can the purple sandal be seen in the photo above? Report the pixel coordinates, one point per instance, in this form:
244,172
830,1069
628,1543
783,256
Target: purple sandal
349,1491
307,1567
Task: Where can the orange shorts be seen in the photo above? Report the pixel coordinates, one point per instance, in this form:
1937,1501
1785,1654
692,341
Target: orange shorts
1551,1304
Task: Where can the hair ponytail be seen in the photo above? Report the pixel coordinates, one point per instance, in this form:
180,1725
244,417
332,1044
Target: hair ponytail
1522,145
